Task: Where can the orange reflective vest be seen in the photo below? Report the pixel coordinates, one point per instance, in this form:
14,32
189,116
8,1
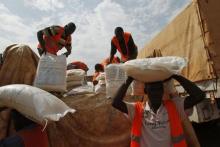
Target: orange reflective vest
55,42
177,135
115,60
127,35
34,137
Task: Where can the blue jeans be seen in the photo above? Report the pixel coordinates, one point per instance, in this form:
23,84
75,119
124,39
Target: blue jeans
12,141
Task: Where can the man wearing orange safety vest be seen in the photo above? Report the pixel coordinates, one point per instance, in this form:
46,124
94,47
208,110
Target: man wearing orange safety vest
157,122
28,133
54,38
124,44
98,69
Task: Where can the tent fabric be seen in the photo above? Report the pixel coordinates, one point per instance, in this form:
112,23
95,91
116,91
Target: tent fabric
210,18
19,65
95,123
184,37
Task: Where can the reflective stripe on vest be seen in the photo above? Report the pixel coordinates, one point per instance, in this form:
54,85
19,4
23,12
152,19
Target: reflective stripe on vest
177,135
177,139
117,45
135,138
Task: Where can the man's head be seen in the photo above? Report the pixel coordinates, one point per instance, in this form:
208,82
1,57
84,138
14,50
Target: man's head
119,32
99,68
155,92
69,28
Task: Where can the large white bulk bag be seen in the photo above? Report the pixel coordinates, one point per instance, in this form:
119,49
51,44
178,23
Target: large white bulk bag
138,87
154,69
34,103
51,73
75,75
115,77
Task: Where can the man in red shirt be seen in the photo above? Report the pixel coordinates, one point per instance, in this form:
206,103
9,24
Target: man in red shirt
54,38
124,44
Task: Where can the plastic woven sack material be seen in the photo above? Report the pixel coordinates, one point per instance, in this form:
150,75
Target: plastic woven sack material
75,72
137,88
100,88
51,73
115,77
154,69
34,103
85,89
74,83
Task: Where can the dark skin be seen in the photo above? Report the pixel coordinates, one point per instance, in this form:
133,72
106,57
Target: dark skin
98,68
155,94
131,46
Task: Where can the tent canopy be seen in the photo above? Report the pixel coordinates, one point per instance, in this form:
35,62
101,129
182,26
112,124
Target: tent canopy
195,35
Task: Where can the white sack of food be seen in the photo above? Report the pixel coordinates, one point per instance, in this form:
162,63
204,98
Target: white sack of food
85,89
75,75
154,69
34,103
74,83
51,73
138,87
115,77
101,78
100,88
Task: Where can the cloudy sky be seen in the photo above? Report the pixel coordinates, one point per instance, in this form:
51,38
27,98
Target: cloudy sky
95,20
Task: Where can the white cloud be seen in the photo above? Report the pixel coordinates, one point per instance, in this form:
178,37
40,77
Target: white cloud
95,24
13,28
45,5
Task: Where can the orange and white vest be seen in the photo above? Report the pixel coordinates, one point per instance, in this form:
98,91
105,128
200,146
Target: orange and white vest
55,42
177,134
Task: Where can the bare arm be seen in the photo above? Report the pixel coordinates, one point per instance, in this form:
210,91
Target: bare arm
118,98
113,52
40,39
196,95
133,51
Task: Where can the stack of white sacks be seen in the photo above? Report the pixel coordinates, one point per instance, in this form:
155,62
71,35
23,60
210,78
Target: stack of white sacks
101,86
152,70
115,77
75,78
51,73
